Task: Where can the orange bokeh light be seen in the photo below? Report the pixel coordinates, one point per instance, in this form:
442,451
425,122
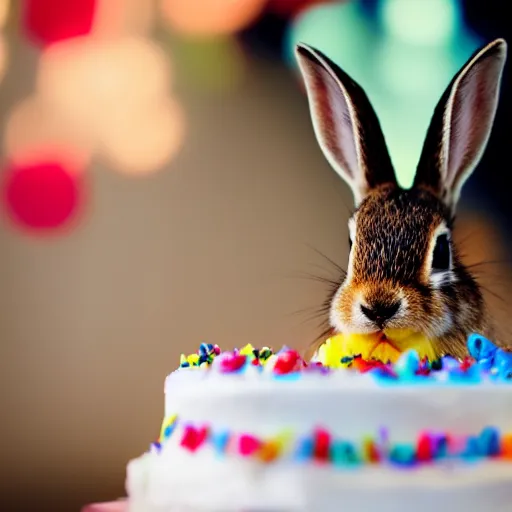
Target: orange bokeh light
142,141
87,79
34,133
210,17
3,57
116,18
4,11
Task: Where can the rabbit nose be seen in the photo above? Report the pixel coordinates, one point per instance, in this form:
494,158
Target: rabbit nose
380,313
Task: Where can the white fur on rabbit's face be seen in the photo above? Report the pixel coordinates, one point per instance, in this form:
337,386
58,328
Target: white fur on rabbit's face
391,280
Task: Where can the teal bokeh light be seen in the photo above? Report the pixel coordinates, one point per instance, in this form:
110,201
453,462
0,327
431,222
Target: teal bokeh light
433,22
403,59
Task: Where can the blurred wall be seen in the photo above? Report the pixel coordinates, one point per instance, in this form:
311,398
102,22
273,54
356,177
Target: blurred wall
208,250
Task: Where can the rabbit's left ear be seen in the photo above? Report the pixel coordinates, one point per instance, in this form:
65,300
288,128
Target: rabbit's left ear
345,124
461,124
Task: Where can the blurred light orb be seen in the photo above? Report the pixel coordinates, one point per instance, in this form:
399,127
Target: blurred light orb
115,18
4,11
41,196
4,57
140,142
34,132
211,64
210,17
49,21
340,30
87,79
415,21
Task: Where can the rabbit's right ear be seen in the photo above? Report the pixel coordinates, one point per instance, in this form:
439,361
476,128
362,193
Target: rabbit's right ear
345,124
461,124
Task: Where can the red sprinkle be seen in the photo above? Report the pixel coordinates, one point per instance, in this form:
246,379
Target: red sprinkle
232,363
322,441
193,438
466,364
424,448
371,453
365,365
248,444
288,362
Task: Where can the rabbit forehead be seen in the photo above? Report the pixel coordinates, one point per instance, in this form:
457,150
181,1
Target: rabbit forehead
394,229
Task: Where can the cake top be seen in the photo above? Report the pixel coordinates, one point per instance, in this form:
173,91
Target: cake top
485,362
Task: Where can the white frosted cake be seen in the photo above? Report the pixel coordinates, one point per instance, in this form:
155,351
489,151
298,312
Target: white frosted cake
252,430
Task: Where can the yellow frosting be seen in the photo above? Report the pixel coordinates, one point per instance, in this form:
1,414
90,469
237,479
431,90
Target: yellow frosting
383,347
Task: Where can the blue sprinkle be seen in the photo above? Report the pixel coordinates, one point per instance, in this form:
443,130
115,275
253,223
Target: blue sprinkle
185,364
472,449
381,373
440,446
403,455
480,347
304,449
505,373
408,363
344,453
219,441
169,430
486,364
450,363
503,359
469,376
155,447
489,441
346,359
287,376
203,349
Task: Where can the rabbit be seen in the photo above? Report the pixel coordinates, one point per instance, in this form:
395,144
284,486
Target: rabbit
404,270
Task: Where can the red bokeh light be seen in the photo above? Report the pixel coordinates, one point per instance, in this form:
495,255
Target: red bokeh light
49,21
41,196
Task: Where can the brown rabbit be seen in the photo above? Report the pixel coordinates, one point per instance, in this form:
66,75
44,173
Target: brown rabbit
404,270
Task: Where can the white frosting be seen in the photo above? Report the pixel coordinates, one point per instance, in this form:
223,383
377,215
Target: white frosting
348,405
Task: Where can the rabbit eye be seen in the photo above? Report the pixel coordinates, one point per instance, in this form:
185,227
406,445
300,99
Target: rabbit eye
350,243
441,258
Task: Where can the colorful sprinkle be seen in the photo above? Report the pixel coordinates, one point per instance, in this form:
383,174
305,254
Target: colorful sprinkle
168,426
506,446
370,451
193,438
287,362
489,442
232,362
403,455
321,444
408,364
344,453
220,440
424,448
486,362
248,445
324,447
304,448
480,348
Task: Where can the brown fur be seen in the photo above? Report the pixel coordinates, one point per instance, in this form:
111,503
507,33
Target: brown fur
394,228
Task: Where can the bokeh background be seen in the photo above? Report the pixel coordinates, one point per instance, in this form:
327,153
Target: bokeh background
161,186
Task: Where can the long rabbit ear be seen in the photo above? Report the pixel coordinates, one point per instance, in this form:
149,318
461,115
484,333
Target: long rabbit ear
461,124
345,124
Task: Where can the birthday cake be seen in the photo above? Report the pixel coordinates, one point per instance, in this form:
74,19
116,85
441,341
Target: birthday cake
255,430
